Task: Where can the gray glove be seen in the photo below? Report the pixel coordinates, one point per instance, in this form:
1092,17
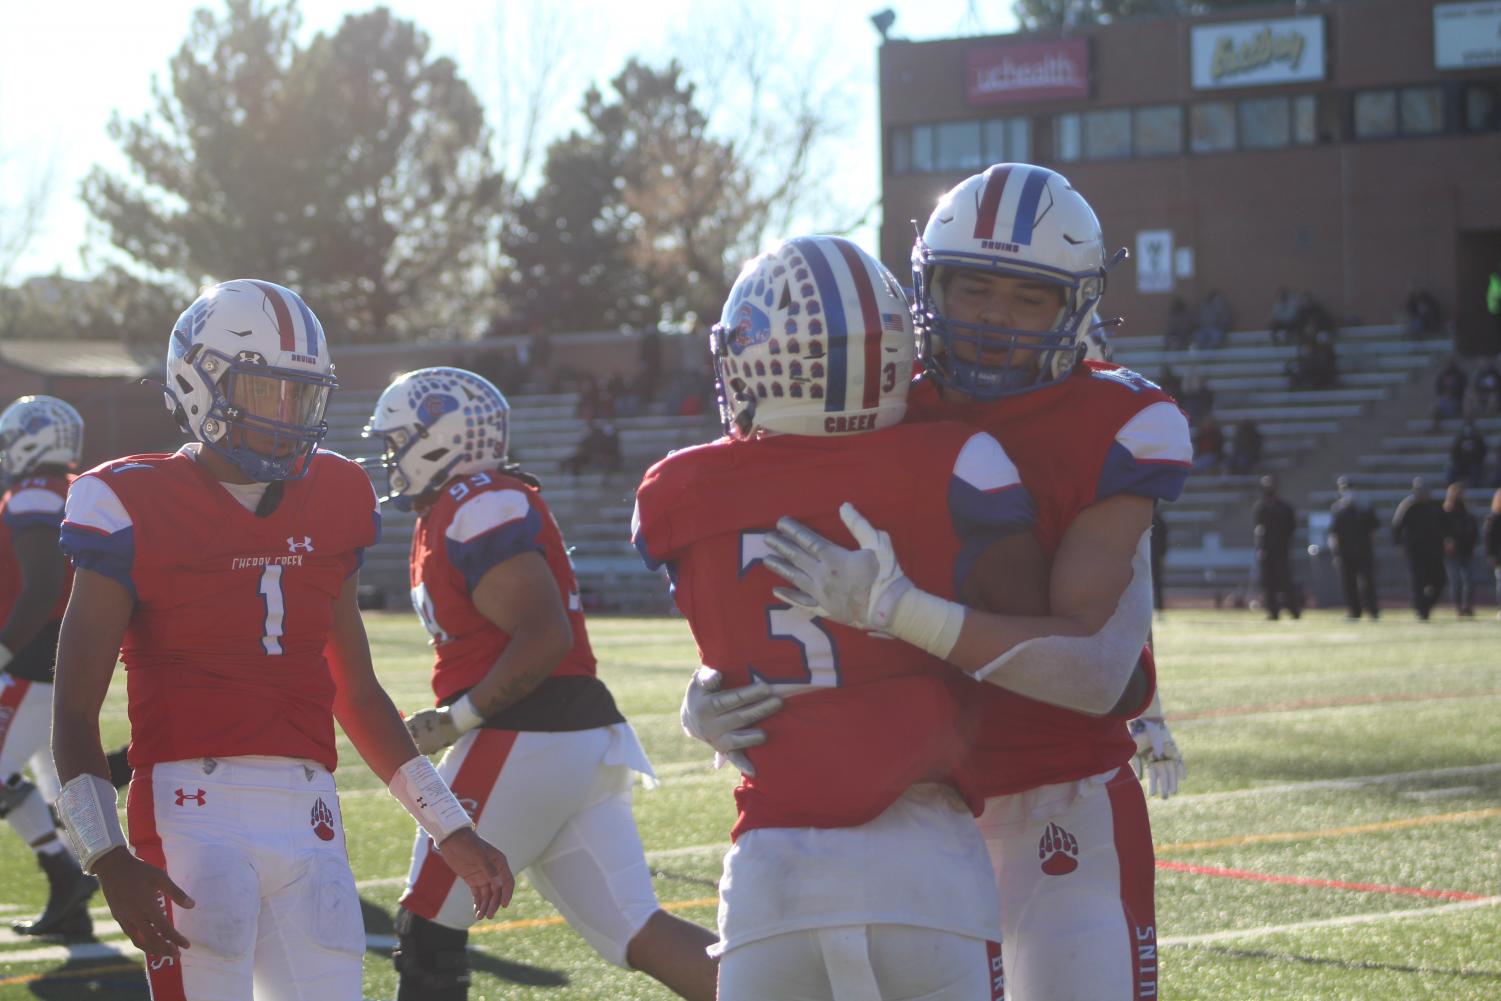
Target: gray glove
723,719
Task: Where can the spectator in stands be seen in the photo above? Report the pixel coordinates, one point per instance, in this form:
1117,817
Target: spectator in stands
1275,522
624,400
1461,533
1314,321
1287,316
598,449
1209,446
1214,322
1466,456
1492,543
1245,447
1197,399
1171,383
1418,527
1448,391
1485,391
1352,526
1178,333
1420,313
1159,556
1316,366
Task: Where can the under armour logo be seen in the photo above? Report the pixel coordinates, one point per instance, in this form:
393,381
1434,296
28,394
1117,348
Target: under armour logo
196,797
305,546
322,820
1059,851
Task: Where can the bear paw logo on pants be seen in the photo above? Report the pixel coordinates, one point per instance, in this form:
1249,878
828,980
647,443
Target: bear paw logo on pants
1059,851
322,820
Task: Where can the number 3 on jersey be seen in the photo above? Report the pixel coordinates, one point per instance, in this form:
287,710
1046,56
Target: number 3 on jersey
789,622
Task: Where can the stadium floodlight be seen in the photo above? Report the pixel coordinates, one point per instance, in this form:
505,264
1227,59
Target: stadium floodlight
883,20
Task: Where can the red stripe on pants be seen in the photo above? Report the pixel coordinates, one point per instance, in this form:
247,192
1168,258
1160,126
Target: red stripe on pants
997,971
163,973
10,699
1138,869
473,784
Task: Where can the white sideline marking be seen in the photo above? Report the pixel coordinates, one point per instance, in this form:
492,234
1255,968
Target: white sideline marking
1353,782
1349,919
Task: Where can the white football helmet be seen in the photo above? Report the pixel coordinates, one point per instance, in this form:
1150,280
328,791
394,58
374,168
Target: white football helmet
435,424
249,375
39,431
815,338
1019,221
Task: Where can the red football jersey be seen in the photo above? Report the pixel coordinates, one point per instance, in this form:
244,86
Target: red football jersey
1102,431
867,716
224,654
31,503
478,522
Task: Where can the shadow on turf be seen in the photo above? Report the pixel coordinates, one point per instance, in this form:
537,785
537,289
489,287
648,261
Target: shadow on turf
1350,964
379,922
72,981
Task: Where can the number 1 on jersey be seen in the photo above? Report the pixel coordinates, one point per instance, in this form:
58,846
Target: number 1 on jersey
276,609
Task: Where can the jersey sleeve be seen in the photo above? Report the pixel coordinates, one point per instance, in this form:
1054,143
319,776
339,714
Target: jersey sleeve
33,507
1150,457
97,532
371,532
490,528
986,500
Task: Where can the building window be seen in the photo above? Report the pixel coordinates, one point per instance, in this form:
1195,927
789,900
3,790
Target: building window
1006,140
922,148
1158,131
1066,146
1375,114
1422,111
1264,123
959,146
1107,134
1211,127
1305,120
1480,108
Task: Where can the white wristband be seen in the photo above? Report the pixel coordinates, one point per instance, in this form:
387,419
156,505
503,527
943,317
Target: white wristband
87,807
5,656
464,715
927,621
418,787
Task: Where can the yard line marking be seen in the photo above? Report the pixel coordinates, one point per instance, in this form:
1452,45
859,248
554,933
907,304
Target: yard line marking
661,853
1329,703
1353,782
1328,832
1349,919
558,919
1331,884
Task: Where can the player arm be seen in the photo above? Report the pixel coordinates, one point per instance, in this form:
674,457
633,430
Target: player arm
521,597
88,646
42,571
1081,656
368,716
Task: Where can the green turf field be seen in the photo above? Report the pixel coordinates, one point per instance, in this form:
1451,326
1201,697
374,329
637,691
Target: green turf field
1336,839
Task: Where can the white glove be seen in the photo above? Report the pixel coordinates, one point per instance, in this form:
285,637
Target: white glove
1157,757
859,588
434,729
722,719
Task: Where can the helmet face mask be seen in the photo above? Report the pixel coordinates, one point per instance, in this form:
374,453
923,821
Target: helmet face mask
435,424
815,338
249,376
1019,223
39,431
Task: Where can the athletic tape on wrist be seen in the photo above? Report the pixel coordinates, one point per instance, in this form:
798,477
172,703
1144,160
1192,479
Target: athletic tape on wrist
927,621
418,787
464,715
87,807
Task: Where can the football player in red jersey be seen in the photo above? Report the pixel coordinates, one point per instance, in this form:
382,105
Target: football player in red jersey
1008,275
856,869
538,752
224,575
41,439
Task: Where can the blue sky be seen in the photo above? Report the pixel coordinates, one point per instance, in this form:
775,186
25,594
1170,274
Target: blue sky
65,67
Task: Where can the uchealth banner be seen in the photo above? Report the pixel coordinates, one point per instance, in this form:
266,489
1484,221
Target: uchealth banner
1027,71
